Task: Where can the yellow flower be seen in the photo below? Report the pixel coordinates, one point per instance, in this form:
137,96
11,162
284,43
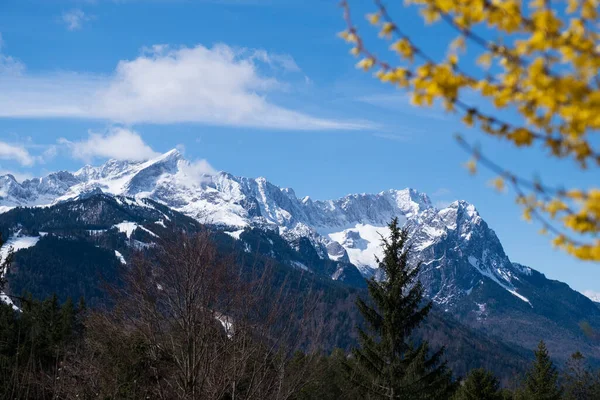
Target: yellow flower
404,48
471,166
374,18
387,29
498,183
468,119
521,137
485,60
366,63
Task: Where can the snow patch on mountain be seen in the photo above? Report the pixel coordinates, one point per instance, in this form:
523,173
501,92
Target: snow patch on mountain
17,243
120,257
362,244
505,284
235,234
126,227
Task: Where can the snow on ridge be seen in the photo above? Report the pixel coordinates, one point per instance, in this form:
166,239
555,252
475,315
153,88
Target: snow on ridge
17,243
592,295
351,222
362,243
234,234
126,227
148,231
508,287
120,257
299,265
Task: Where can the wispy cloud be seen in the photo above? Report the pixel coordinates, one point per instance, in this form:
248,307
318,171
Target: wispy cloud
400,102
284,61
16,153
74,19
215,86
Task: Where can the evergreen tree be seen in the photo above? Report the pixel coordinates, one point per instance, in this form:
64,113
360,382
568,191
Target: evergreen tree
541,382
388,365
68,315
479,384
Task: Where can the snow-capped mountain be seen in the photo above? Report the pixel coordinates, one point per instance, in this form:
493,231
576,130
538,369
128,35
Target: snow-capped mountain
465,270
347,229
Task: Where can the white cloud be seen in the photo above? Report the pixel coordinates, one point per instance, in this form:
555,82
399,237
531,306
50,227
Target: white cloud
197,169
214,86
74,19
284,61
10,66
592,295
16,153
117,143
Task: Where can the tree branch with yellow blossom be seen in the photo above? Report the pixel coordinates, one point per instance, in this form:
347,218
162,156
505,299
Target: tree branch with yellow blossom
546,70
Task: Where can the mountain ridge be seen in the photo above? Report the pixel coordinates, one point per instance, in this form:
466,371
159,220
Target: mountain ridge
465,270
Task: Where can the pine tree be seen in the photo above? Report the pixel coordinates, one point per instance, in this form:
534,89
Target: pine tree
388,365
68,315
541,382
479,384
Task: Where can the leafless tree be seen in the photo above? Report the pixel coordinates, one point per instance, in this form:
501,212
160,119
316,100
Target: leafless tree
188,323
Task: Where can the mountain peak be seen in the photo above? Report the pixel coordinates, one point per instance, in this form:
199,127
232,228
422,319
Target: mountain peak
465,207
409,200
171,154
9,177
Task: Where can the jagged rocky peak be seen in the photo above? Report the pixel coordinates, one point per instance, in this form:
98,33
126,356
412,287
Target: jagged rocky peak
347,228
8,179
411,201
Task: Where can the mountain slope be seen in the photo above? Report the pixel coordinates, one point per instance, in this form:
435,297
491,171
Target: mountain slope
465,270
78,247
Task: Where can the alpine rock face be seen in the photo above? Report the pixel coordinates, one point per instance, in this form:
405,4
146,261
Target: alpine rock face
464,268
347,229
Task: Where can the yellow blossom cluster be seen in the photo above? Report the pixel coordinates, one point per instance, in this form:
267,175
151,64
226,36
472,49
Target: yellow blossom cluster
543,63
578,210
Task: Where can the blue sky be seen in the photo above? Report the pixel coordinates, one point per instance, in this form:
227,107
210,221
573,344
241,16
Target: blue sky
257,88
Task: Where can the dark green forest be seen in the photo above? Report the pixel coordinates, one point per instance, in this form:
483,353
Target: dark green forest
188,320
